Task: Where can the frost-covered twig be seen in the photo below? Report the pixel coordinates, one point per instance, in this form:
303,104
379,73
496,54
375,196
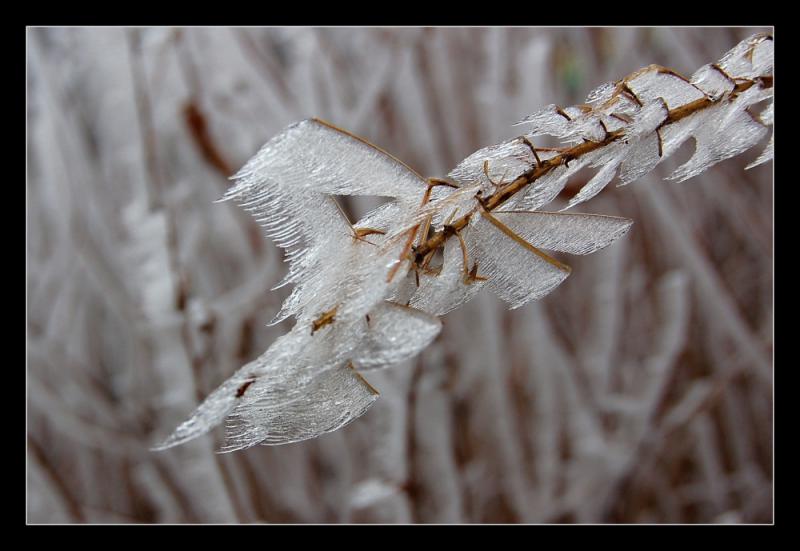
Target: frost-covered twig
369,294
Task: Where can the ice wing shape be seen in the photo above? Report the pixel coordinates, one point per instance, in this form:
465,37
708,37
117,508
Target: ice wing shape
595,185
549,120
654,82
281,376
505,162
396,333
767,117
211,412
632,158
350,279
304,224
299,388
713,81
514,270
727,128
766,155
287,186
750,58
721,132
325,403
569,233
314,155
569,124
287,403
546,188
517,272
278,374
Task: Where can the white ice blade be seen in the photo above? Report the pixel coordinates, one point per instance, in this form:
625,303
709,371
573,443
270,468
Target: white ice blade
545,188
713,81
750,58
766,155
726,132
210,413
641,156
549,120
515,271
287,185
505,162
276,377
767,116
395,333
314,155
326,403
576,233
594,186
602,93
653,83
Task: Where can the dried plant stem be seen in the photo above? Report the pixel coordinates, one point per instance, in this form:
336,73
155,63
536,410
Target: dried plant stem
505,192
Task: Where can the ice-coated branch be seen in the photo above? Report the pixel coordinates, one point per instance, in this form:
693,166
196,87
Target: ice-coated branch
368,294
641,118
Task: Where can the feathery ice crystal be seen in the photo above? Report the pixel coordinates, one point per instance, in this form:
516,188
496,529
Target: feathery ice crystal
368,295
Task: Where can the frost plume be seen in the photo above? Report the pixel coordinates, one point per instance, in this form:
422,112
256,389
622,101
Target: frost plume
367,294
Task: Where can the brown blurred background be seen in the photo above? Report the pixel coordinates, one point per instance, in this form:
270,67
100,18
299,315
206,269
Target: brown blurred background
638,391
